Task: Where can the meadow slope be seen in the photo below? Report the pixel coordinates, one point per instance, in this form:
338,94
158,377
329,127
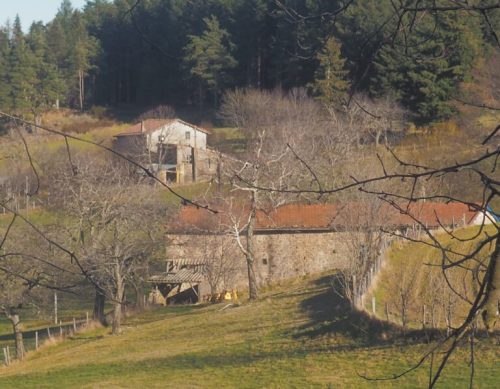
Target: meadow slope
297,335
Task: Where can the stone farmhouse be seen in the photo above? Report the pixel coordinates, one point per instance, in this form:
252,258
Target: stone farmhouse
176,150
292,240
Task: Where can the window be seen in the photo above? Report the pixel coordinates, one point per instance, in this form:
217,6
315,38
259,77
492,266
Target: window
188,135
188,159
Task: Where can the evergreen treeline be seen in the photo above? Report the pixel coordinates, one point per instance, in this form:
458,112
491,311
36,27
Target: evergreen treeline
188,52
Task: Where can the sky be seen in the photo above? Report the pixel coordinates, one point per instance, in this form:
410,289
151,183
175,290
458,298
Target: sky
32,10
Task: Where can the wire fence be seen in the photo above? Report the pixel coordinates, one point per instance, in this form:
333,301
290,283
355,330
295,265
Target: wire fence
363,286
34,339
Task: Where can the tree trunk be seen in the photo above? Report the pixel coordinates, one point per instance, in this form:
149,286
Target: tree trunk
252,280
117,318
259,66
139,296
56,320
80,87
119,299
403,314
37,119
99,301
18,334
492,294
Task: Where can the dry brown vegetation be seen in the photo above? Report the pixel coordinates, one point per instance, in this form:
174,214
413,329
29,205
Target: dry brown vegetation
412,289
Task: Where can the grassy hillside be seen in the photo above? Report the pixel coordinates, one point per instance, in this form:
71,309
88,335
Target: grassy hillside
298,335
409,271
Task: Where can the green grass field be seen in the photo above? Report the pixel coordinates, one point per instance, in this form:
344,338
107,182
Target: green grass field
296,336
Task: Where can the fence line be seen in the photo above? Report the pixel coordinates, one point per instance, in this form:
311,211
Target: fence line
372,275
67,329
365,284
370,278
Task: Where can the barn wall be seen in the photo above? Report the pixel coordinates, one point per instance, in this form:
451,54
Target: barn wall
277,256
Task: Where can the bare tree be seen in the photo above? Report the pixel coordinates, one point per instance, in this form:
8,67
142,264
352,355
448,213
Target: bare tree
219,266
362,219
273,124
159,112
115,228
13,295
26,276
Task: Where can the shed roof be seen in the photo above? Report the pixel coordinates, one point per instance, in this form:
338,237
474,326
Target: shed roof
183,275
151,125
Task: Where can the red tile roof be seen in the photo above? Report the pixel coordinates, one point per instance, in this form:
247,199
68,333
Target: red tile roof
303,216
325,216
151,125
433,214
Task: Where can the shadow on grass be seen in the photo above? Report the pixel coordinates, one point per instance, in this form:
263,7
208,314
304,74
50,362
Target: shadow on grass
331,314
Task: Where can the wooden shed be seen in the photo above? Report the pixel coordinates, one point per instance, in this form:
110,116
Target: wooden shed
181,283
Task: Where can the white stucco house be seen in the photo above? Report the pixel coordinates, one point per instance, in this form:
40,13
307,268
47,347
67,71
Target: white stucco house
173,148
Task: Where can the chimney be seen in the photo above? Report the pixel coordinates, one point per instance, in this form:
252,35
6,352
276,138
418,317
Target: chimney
142,126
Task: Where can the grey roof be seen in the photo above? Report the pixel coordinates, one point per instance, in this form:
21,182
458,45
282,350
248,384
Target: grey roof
186,261
183,275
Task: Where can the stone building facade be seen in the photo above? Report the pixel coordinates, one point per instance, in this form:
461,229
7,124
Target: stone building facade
296,239
278,255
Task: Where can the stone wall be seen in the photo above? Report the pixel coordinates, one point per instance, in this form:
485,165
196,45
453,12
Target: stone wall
278,256
207,161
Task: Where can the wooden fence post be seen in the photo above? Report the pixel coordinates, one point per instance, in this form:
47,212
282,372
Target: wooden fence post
60,332
36,340
8,354
5,357
74,324
48,333
355,291
87,313
55,307
374,310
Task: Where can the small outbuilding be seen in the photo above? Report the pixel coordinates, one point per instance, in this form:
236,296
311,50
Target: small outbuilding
182,282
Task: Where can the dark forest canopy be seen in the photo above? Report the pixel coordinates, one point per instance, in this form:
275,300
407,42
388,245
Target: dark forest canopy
182,53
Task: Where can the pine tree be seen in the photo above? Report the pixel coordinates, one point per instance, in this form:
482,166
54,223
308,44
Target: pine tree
21,74
424,72
72,50
48,86
210,57
4,68
331,83
82,52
